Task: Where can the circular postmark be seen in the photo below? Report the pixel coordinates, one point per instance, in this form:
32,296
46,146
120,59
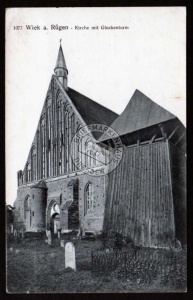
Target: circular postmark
93,157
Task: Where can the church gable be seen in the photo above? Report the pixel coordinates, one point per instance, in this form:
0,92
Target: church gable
50,151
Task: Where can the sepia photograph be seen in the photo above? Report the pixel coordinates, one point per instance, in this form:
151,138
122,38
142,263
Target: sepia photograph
96,150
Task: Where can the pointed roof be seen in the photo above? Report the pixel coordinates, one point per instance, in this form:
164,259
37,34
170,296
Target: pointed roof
60,63
139,113
91,111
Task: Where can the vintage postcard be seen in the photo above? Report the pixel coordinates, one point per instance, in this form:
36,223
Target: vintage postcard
96,150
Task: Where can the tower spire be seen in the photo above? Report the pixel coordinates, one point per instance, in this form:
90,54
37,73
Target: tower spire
61,70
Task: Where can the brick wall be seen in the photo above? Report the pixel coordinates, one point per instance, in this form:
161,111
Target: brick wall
59,191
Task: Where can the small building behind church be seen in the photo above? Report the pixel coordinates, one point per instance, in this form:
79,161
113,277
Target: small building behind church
143,197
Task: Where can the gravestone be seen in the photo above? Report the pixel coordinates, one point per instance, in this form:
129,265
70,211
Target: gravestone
59,234
70,259
11,228
62,243
49,235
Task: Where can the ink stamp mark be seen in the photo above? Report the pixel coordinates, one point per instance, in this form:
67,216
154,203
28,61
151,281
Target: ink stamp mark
93,157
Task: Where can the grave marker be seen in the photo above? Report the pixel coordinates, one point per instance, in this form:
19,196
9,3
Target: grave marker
70,259
62,243
49,235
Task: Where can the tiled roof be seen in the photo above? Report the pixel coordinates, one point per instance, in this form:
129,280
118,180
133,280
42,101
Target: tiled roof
141,112
91,111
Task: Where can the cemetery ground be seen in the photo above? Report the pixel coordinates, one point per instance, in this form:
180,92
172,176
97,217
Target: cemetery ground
33,266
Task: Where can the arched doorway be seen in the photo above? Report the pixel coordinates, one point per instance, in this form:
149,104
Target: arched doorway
53,217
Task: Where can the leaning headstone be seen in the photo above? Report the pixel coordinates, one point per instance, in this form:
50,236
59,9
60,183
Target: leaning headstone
70,260
49,235
62,243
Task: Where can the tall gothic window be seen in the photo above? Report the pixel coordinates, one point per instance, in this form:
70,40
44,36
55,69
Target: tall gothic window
38,155
33,163
28,172
67,141
72,144
64,138
60,135
88,201
49,140
43,147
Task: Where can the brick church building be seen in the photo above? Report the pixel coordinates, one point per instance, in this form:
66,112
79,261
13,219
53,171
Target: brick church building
142,197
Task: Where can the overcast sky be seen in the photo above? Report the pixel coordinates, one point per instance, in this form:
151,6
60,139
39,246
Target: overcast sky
105,65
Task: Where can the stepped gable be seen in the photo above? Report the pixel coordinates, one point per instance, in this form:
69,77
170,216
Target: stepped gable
141,112
41,185
91,111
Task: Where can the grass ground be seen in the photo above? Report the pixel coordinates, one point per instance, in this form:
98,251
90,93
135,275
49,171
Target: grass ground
35,267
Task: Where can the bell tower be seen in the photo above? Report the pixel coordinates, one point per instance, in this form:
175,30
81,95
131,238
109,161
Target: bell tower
61,70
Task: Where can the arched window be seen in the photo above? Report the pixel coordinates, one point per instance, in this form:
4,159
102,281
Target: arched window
28,172
88,203
26,205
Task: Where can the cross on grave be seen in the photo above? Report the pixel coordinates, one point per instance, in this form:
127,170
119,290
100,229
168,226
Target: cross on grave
70,259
